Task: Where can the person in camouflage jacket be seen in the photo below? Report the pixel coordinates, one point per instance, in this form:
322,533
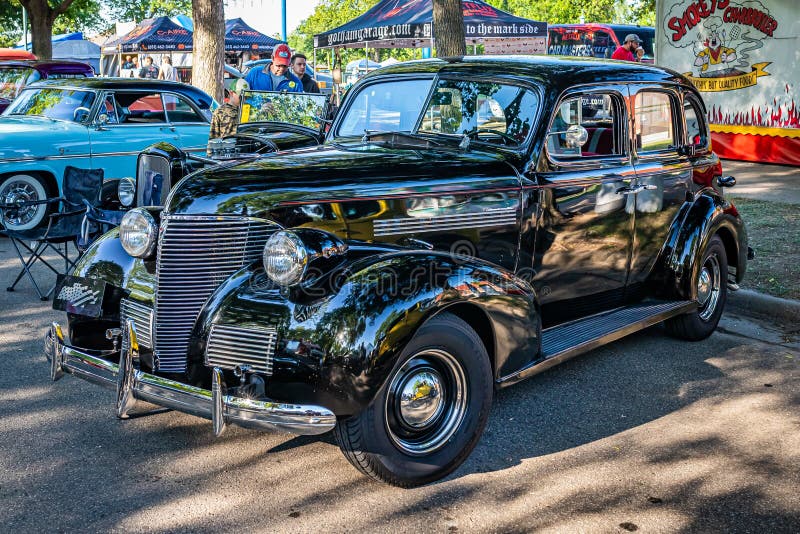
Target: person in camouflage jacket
226,117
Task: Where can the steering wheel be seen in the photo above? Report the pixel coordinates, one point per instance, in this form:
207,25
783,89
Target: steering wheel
477,132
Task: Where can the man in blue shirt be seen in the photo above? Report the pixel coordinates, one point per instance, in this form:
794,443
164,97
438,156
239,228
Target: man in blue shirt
276,76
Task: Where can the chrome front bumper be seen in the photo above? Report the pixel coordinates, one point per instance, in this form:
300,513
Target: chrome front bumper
131,384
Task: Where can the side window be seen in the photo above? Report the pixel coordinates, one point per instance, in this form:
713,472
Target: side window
696,132
586,126
179,110
654,122
140,108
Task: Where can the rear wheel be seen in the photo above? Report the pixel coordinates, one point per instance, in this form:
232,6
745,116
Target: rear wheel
431,412
711,285
23,188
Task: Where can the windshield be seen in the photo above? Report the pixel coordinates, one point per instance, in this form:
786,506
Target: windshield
12,80
59,104
495,113
291,108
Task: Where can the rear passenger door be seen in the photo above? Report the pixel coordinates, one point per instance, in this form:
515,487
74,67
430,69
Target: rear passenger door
585,235
190,123
663,172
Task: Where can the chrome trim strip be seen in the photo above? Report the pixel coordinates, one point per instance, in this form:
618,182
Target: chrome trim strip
142,317
231,346
248,413
483,219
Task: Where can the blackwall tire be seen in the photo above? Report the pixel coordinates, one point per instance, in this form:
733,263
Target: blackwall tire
711,281
430,413
23,187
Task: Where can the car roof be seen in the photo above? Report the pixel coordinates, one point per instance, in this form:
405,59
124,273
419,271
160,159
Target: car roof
117,84
62,66
552,72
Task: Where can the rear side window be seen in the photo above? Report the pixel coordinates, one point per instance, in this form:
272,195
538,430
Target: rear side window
696,130
179,110
654,122
586,126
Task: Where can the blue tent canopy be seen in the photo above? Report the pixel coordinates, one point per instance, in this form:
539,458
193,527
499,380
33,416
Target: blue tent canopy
158,34
240,36
74,36
404,24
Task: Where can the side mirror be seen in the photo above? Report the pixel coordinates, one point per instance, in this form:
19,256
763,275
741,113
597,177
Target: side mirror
102,119
576,136
81,114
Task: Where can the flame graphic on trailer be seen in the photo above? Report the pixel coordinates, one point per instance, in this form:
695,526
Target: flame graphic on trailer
740,54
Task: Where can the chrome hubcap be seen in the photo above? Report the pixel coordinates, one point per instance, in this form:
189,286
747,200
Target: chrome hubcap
421,398
14,192
709,283
426,402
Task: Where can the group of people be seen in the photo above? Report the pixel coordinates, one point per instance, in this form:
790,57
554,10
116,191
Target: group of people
285,72
149,70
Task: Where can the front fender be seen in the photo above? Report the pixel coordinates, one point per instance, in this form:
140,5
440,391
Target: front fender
709,215
338,350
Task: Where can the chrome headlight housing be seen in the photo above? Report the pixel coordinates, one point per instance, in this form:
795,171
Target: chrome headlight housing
126,192
138,233
285,258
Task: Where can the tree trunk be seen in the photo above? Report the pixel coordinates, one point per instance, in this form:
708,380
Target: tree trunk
209,46
448,28
41,17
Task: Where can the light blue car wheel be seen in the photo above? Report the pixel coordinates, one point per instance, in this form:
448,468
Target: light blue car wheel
22,188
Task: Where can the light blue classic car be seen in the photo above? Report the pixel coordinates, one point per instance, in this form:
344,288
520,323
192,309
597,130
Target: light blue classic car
90,123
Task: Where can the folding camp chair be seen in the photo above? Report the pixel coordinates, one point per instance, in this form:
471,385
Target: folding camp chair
81,194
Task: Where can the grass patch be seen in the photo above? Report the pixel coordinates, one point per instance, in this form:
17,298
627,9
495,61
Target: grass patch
773,230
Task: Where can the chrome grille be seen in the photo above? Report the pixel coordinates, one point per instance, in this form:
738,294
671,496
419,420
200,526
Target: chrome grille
229,346
147,168
142,316
195,255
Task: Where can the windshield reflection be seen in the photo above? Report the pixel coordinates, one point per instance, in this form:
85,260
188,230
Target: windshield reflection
58,104
495,113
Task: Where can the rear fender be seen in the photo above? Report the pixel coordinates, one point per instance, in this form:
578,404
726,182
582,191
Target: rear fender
709,215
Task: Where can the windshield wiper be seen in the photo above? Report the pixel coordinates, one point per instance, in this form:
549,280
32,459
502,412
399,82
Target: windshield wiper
397,137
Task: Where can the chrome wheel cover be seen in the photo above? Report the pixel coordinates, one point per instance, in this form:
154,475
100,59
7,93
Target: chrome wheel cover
14,191
709,283
426,402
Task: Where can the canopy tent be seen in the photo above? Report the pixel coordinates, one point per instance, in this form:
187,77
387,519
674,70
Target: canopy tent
239,36
85,51
73,36
409,24
158,34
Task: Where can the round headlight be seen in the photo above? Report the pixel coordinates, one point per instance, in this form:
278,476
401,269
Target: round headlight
138,233
285,258
126,191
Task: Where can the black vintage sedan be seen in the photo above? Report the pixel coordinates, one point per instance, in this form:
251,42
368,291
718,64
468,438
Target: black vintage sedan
466,224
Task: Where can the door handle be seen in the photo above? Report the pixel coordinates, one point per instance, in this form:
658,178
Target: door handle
636,189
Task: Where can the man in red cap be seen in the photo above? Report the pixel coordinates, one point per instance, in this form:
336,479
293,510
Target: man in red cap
276,76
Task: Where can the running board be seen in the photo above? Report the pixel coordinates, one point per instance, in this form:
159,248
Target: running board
562,342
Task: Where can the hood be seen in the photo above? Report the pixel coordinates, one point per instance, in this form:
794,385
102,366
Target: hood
329,173
32,137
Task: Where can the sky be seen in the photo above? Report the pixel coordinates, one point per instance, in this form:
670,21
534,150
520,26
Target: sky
265,15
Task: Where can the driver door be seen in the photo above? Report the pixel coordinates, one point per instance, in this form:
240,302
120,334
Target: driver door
126,123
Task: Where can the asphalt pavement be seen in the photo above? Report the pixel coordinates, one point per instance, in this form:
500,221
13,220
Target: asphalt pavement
647,434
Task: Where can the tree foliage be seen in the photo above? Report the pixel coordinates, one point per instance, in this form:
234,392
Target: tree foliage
138,10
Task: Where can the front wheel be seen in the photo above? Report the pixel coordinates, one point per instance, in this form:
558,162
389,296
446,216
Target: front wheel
23,188
711,285
431,411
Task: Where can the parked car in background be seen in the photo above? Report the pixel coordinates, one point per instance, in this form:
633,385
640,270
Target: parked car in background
90,123
14,75
324,80
269,122
597,39
15,54
466,224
